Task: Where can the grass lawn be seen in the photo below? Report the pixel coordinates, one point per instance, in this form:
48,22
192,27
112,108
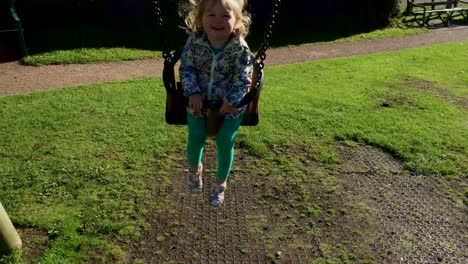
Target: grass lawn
90,55
76,162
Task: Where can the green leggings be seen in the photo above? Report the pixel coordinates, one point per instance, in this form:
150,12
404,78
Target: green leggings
224,143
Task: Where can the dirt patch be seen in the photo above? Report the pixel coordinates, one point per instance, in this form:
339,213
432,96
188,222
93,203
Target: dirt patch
35,242
289,208
440,92
245,229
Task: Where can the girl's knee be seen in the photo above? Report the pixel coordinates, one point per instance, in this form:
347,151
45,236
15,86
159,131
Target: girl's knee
225,137
197,134
224,143
196,127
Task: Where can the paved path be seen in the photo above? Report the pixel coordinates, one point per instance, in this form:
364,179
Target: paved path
16,78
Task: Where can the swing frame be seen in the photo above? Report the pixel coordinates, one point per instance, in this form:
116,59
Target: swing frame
176,102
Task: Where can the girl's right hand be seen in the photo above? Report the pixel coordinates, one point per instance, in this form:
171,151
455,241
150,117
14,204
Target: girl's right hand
196,102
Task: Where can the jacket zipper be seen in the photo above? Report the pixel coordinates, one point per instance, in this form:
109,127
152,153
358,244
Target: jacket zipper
213,66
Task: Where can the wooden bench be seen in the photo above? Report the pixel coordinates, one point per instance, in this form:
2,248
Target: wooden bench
423,11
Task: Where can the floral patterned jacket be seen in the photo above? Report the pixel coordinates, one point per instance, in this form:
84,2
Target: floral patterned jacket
227,74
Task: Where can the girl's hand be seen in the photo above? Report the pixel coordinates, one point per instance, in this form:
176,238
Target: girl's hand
196,102
226,108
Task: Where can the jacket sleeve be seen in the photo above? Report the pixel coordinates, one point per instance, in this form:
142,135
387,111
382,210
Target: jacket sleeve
187,70
242,78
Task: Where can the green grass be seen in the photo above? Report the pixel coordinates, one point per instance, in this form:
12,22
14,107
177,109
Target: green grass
76,162
90,55
386,33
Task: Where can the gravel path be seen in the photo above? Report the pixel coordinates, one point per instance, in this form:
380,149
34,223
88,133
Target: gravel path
16,78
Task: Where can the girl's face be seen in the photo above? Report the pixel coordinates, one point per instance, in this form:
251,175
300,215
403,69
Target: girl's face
218,23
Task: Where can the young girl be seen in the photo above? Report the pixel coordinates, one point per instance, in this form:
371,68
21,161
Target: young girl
216,68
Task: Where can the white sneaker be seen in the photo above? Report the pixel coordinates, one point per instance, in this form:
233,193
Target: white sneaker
217,196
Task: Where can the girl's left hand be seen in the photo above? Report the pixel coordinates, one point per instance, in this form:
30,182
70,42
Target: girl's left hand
226,108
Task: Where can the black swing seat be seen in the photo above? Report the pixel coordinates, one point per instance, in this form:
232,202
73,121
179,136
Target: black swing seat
176,102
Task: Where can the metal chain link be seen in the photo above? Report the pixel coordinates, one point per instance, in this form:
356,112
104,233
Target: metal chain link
261,53
166,52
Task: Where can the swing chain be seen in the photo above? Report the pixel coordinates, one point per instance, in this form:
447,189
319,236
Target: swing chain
166,52
261,54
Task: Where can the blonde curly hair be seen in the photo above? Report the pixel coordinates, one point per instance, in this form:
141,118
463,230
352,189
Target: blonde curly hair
192,12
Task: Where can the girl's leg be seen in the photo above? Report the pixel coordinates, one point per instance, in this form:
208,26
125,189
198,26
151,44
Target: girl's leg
225,139
196,140
225,154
